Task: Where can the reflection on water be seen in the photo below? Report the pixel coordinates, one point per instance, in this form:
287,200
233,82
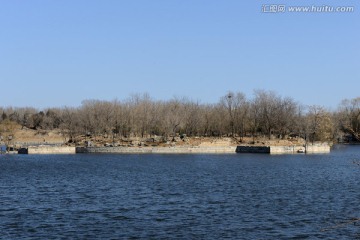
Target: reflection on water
237,196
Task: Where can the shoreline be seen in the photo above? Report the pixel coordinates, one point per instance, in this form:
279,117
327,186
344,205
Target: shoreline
238,149
156,150
322,148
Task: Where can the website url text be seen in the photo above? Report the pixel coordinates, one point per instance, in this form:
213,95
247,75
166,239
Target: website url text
280,8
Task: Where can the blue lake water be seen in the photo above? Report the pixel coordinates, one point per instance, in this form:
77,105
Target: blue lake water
235,196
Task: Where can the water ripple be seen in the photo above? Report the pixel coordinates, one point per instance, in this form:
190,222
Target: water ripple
181,196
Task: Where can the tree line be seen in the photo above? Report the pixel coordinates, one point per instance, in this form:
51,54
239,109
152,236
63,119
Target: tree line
265,114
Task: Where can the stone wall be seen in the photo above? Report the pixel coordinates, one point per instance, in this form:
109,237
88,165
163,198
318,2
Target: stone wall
50,150
320,148
286,149
233,149
175,150
252,149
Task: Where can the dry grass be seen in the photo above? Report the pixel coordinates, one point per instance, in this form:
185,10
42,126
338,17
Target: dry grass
29,135
26,135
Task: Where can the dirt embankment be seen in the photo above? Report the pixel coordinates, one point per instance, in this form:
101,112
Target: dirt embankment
56,136
26,135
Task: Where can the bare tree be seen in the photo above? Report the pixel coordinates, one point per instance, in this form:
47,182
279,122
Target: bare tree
269,104
7,130
349,118
193,118
266,114
319,124
173,113
70,123
143,113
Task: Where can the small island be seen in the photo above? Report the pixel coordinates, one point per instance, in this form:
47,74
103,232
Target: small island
265,123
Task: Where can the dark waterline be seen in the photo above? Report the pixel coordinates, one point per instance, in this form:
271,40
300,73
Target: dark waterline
237,196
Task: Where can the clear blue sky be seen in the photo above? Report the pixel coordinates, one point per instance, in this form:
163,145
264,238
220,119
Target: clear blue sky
57,53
